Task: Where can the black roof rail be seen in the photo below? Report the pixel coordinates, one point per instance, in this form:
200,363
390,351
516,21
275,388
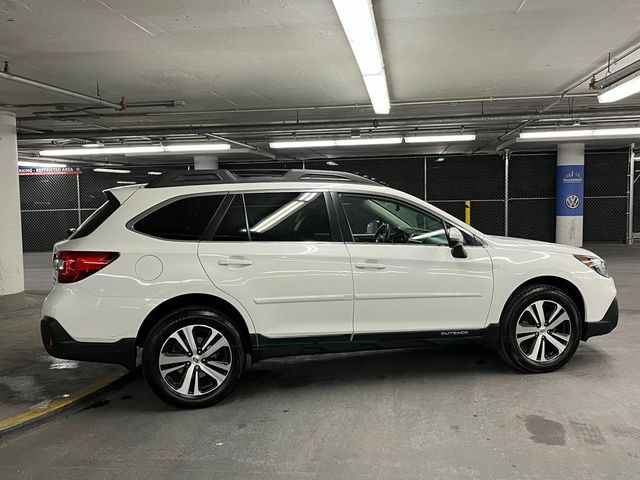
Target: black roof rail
178,178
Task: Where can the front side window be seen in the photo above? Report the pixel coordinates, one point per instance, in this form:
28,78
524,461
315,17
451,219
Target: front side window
184,219
382,220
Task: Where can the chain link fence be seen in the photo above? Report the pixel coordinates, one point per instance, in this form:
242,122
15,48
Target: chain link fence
532,196
52,204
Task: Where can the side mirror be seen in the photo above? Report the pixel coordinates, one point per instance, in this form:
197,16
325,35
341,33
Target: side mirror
456,242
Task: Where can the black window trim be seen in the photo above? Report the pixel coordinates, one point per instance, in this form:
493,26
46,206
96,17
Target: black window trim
210,231
130,224
108,208
348,234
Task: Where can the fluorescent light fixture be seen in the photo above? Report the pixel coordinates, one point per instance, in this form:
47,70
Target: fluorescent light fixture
92,145
348,142
620,91
124,182
197,147
110,170
378,92
70,152
303,144
345,142
455,137
133,149
359,25
27,164
154,173
581,133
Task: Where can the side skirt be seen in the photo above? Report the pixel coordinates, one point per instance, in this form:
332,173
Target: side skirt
266,347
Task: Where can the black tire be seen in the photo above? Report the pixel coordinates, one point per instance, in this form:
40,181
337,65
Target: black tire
203,319
514,312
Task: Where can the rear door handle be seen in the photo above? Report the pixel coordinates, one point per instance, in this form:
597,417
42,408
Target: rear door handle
235,261
373,265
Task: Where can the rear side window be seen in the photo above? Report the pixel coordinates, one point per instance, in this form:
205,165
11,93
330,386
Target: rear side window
288,217
233,226
276,217
98,217
184,219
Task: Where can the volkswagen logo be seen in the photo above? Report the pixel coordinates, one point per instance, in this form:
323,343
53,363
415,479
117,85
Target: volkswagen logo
572,201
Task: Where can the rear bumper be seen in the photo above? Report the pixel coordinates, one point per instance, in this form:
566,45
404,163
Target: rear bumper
604,326
60,344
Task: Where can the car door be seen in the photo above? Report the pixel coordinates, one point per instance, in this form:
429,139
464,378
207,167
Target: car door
277,254
405,278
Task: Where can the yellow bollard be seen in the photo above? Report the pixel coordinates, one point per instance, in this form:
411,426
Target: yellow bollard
467,212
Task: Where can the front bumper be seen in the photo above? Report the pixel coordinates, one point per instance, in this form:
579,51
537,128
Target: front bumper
60,344
604,326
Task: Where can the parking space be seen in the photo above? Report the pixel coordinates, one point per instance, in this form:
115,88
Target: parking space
452,410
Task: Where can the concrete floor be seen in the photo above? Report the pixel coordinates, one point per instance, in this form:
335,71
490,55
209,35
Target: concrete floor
445,412
29,376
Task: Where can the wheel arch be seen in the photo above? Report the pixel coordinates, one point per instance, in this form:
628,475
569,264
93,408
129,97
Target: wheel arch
196,299
562,283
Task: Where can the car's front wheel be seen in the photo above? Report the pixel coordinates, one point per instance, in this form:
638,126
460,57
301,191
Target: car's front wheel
193,357
540,329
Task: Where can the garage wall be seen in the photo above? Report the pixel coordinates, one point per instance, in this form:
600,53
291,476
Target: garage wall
51,204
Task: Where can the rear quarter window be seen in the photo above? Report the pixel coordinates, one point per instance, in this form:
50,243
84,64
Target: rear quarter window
98,217
182,219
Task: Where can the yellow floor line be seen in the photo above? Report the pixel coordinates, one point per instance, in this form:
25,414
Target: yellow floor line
58,404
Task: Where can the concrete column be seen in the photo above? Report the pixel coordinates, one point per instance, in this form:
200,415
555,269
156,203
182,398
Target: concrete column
11,266
205,162
569,193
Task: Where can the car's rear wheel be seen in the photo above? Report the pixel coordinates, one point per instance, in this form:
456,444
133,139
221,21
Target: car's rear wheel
540,329
193,357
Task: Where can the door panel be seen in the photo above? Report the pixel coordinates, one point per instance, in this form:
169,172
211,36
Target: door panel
289,288
404,275
282,265
419,287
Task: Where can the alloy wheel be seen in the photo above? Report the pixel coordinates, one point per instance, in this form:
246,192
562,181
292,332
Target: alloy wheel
543,331
195,360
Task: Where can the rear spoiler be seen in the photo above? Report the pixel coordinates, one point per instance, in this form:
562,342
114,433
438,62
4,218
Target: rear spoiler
123,193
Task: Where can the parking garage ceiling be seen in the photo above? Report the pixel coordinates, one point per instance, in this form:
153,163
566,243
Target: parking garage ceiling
258,70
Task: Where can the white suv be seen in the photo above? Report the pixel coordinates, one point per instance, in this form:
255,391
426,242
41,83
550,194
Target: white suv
209,270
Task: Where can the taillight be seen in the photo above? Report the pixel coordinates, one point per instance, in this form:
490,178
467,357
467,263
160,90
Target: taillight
75,266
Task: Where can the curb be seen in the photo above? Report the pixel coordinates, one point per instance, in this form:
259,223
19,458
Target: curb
45,411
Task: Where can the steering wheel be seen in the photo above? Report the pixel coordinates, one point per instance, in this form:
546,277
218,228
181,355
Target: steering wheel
382,233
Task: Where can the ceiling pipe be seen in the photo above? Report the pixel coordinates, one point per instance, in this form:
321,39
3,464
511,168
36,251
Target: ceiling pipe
416,103
621,55
616,76
256,150
66,108
630,114
52,88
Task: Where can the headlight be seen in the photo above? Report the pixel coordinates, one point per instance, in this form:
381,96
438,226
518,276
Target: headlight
594,263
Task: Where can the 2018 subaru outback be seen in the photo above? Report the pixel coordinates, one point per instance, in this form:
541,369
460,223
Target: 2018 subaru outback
206,270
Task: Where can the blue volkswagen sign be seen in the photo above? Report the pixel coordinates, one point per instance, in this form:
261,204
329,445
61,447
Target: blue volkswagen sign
569,190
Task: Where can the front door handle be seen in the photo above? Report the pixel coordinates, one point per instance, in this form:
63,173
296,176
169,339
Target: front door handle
373,265
235,261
